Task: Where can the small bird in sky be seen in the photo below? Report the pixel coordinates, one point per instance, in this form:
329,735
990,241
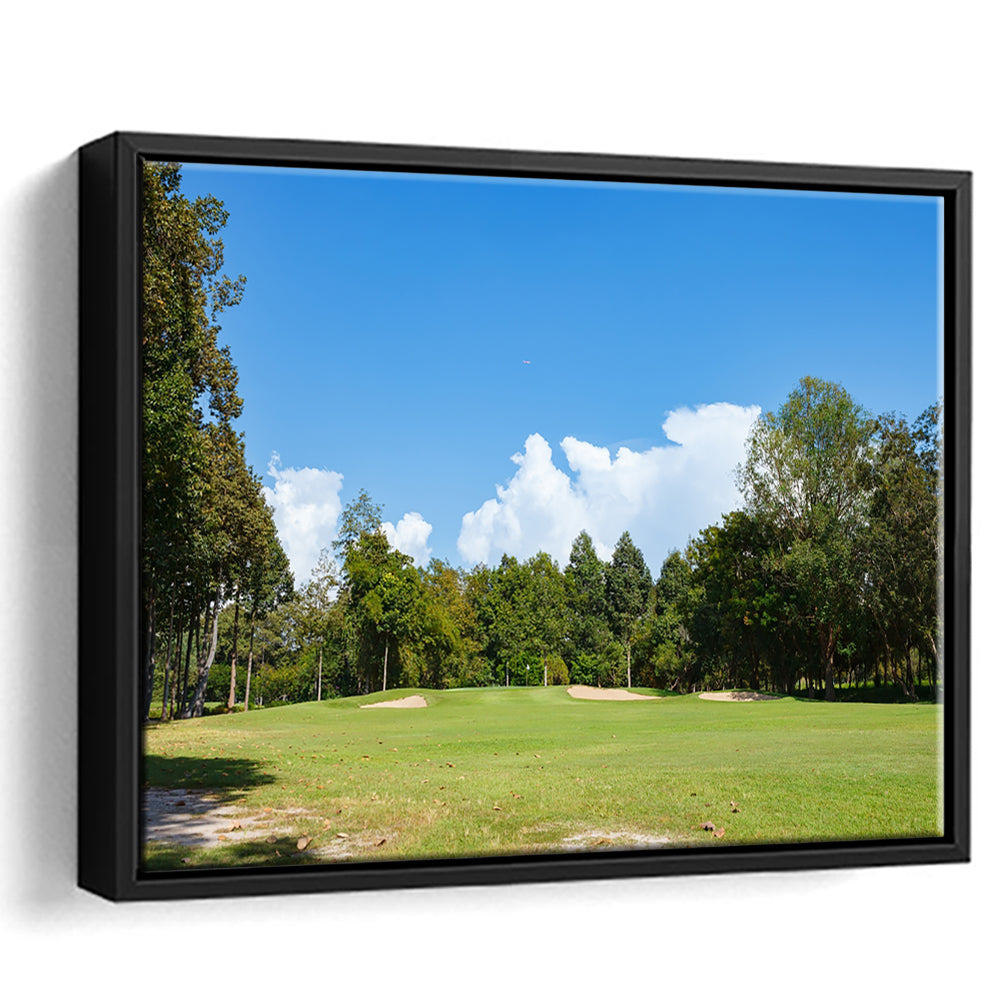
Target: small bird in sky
525,362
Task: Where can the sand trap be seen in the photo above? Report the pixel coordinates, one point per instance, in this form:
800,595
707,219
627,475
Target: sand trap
414,701
606,694
737,696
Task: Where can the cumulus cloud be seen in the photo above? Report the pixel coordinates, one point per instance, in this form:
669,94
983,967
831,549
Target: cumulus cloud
306,506
662,496
409,534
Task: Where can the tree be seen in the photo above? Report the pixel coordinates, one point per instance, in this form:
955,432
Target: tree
667,638
270,583
183,369
228,518
590,638
362,516
628,586
385,597
904,567
808,472
545,610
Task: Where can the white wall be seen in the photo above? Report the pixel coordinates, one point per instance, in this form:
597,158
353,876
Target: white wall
888,83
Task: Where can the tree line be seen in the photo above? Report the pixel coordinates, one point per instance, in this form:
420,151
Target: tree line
826,578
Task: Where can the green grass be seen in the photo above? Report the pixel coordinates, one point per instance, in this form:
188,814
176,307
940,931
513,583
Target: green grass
504,771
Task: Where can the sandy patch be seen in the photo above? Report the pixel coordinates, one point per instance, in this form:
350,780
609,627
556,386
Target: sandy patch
414,701
605,694
181,816
737,696
611,840
201,819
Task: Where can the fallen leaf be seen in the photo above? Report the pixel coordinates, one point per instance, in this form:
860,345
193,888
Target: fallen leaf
237,825
326,824
303,842
721,832
272,839
343,836
381,842
708,826
222,836
449,764
734,807
497,809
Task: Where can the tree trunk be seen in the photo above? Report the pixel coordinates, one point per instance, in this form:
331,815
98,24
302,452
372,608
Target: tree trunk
196,705
232,669
246,698
319,675
829,640
150,661
628,664
385,666
165,706
192,632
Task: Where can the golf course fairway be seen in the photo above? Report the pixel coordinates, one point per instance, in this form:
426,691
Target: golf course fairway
501,771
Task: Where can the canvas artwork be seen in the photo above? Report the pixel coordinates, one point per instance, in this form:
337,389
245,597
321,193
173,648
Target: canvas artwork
492,516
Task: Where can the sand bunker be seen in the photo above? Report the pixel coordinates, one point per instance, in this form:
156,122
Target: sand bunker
414,701
605,694
737,696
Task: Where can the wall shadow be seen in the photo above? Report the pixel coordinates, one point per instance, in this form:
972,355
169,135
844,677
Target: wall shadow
45,512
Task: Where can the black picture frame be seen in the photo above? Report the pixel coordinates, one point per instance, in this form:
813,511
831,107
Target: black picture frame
110,793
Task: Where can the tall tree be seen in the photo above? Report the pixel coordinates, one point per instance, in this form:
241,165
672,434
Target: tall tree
590,637
270,583
808,471
385,598
628,586
183,369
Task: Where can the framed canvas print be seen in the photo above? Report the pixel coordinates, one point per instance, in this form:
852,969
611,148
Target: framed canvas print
458,515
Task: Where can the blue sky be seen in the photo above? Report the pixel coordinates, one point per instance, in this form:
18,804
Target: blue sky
382,340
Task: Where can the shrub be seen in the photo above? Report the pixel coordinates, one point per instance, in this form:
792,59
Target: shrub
558,672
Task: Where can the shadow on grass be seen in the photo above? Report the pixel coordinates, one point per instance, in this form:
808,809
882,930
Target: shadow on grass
257,853
886,694
220,774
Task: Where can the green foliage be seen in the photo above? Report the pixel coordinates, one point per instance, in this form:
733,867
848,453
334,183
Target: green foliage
628,586
558,671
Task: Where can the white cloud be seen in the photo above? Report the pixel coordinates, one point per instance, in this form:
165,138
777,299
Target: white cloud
662,496
409,534
306,506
